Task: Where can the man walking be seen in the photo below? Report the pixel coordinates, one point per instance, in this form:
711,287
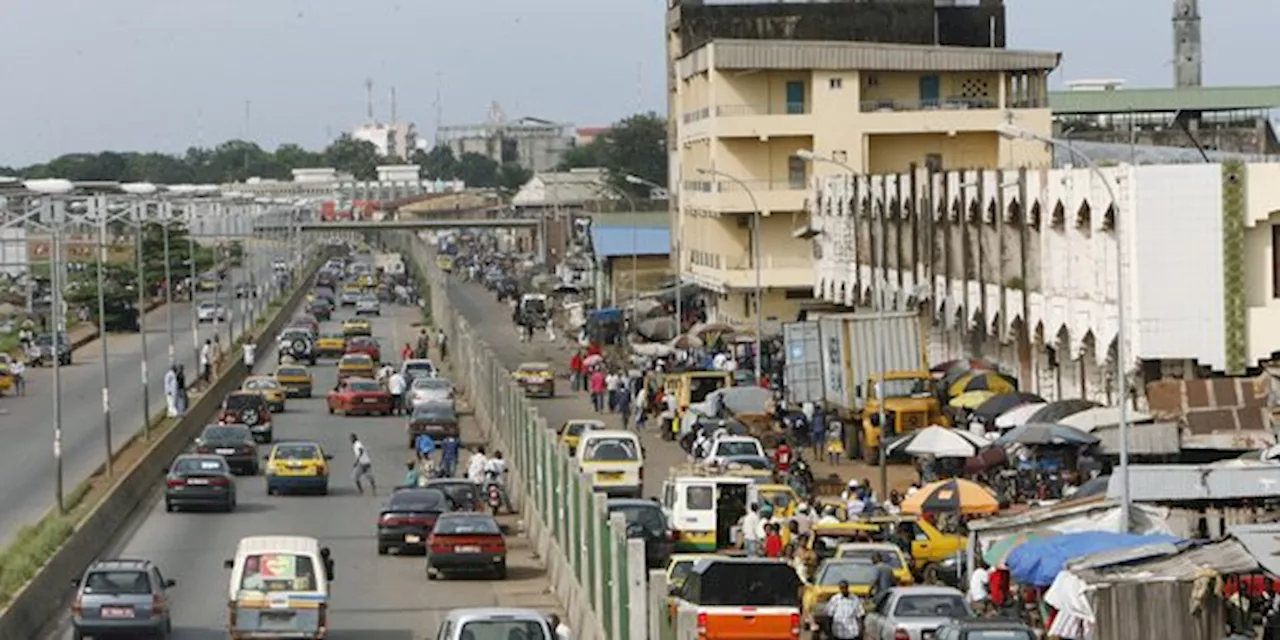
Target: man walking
206,361
449,456
362,466
845,612
396,385
171,391
751,525
19,371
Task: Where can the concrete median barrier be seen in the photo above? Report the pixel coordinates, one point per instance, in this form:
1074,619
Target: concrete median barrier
44,597
597,573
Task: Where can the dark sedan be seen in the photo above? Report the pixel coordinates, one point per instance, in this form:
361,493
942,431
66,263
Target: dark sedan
234,443
320,308
200,481
646,521
437,419
464,493
466,542
45,352
408,517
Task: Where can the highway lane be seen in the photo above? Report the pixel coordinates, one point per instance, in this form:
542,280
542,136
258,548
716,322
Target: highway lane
27,470
374,598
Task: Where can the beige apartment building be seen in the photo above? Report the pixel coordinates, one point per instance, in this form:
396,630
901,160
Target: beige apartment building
742,109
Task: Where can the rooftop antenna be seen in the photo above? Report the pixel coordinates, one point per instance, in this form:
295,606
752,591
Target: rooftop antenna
439,104
368,89
393,106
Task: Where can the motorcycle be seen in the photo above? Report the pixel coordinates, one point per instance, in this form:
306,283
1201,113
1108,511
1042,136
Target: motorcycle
493,493
801,475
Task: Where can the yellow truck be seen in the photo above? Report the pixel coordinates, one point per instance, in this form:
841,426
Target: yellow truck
854,362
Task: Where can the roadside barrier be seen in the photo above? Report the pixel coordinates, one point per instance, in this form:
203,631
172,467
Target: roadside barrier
44,598
597,573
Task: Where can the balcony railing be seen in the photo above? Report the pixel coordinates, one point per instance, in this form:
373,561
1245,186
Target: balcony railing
1037,102
784,184
744,261
690,117
950,104
763,109
699,186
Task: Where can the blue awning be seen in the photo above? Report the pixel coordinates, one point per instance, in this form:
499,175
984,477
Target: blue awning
613,242
1038,562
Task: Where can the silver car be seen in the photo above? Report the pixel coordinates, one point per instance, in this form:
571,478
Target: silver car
429,390
368,305
122,598
919,611
211,312
526,624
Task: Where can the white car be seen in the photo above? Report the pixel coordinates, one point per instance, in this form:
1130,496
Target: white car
211,312
726,447
415,368
431,390
368,305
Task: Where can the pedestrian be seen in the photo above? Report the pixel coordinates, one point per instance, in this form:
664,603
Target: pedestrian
476,466
206,361
817,431
559,627
217,354
750,525
442,344
495,470
19,371
979,594
424,445
250,355
411,475
183,400
449,456
624,406
396,385
575,369
611,388
772,541
597,386
406,352
171,391
362,466
845,612
885,580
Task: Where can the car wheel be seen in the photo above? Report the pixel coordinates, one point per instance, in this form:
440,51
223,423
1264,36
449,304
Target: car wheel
330,409
168,506
230,506
500,571
382,549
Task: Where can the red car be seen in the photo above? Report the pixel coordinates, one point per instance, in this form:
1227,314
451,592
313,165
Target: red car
360,395
365,345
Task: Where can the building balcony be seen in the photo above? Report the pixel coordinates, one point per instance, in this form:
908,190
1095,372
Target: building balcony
950,115
765,196
760,121
739,272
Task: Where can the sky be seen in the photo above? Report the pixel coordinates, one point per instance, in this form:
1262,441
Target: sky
163,75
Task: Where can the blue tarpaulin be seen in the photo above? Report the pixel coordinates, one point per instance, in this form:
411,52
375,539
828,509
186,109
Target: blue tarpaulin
1039,561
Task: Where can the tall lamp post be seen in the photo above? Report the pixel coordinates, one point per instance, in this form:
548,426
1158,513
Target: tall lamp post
140,208
1013,132
101,213
756,258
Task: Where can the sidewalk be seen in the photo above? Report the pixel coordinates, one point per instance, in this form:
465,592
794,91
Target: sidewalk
84,333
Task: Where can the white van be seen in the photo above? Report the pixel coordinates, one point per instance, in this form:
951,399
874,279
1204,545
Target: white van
279,588
614,460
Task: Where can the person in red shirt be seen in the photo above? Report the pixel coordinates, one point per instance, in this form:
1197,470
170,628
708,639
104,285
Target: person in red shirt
782,458
575,365
999,587
407,352
772,541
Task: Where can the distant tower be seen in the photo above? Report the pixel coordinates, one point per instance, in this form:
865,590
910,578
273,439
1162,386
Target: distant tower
393,106
496,116
1188,62
368,90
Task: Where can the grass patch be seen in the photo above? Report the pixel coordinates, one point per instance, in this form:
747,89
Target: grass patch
9,343
35,544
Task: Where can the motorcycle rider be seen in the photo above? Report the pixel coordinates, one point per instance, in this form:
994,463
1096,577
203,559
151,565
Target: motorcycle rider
495,472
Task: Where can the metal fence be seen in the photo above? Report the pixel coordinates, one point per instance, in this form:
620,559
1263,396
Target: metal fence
597,573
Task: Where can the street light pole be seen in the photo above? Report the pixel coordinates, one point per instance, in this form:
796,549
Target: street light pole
1011,132
757,259
166,216
140,209
99,204
676,241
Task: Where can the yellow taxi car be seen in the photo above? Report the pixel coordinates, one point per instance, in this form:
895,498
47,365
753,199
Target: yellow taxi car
860,574
269,388
680,564
296,380
827,538
356,327
783,498
7,381
331,345
365,281
297,466
536,379
930,546
889,552
571,432
355,365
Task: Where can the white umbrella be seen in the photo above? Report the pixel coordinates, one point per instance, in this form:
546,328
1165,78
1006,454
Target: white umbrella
942,442
1018,415
1091,420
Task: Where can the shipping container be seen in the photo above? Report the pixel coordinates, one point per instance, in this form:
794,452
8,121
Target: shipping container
835,355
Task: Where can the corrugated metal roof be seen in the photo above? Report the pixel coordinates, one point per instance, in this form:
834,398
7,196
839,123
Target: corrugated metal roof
872,56
1262,541
1192,483
1164,100
1113,153
1042,514
1224,557
613,242
642,219
1097,417
1150,438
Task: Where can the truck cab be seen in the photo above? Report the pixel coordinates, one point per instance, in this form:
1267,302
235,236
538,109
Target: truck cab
910,403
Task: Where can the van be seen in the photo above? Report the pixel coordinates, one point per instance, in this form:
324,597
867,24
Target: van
704,509
279,588
614,461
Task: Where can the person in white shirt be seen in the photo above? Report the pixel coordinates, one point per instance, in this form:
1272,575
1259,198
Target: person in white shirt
171,391
19,371
751,525
829,516
979,594
559,627
495,470
476,466
206,361
611,384
846,612
384,373
250,351
362,466
396,386
718,361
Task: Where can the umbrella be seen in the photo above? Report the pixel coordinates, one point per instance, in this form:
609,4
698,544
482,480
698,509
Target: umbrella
942,442
951,496
658,329
1046,433
745,399
648,308
958,367
1096,418
686,341
996,555
702,331
1095,487
981,381
1019,415
986,459
593,360
998,404
970,399
1057,410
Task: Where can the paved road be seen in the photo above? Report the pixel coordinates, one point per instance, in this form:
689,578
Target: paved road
374,598
26,464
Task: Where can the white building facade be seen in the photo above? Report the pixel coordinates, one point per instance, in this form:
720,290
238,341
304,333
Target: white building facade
1021,267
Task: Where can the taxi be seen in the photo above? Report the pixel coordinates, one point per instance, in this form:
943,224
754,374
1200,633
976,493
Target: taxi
365,281
331,346
783,498
570,433
355,365
536,379
827,538
297,466
296,380
6,373
930,546
357,327
892,555
860,574
269,388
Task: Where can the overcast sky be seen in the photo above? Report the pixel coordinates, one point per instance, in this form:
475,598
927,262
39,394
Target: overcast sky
88,75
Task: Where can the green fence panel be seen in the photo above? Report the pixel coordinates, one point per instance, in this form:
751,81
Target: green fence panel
607,576
554,486
592,530
575,526
623,587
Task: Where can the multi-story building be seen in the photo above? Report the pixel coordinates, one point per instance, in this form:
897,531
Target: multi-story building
1023,267
395,140
535,144
746,101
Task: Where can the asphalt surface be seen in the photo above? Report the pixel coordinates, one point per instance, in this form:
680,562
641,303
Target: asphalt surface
27,470
373,597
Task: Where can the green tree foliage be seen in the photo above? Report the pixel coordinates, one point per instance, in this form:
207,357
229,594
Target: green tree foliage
636,145
179,251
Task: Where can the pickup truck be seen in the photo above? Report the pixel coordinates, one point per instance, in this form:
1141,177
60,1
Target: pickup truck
736,599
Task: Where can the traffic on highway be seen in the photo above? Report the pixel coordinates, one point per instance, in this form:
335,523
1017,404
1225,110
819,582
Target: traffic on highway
343,496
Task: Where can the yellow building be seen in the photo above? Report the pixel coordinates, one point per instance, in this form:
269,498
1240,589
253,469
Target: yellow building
743,108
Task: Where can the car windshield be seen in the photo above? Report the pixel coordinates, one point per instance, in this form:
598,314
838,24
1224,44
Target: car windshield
357,361
362,343
890,558
261,383
681,570
432,384
855,573
419,366
278,572
226,433
576,428
503,630
611,450
532,368
418,500
435,411
292,372
648,518
738,448
184,466
46,339
940,605
296,452
364,385
470,525
241,401
700,387
128,582
461,492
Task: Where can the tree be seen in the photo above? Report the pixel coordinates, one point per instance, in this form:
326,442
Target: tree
477,170
636,146
512,176
437,164
357,157
587,155
153,264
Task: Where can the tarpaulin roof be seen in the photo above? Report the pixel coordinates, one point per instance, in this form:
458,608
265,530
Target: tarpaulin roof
1038,562
614,242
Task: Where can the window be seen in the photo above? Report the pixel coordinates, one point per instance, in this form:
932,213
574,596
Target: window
118,583
278,572
699,498
797,169
836,83
933,161
795,97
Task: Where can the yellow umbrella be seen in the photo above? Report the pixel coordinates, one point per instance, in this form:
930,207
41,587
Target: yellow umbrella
992,381
955,495
971,399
